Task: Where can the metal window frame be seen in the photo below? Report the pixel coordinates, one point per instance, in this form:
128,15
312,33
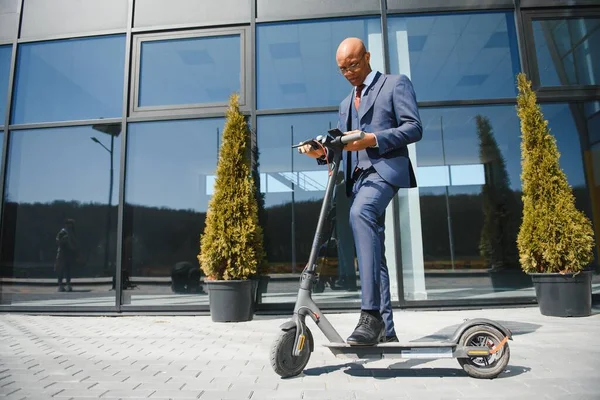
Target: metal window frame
318,17
187,109
481,8
6,121
76,35
572,92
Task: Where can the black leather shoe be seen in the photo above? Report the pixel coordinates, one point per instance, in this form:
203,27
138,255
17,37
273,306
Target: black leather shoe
368,331
388,339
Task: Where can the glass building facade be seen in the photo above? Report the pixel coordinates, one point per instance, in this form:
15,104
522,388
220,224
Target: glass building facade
112,111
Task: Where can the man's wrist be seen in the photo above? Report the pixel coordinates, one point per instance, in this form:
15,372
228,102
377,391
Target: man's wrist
375,144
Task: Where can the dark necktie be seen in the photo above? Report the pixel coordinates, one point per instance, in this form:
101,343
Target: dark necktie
359,89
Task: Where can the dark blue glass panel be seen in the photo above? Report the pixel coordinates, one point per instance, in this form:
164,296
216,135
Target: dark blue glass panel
189,71
170,179
296,64
5,55
456,56
69,80
568,51
53,175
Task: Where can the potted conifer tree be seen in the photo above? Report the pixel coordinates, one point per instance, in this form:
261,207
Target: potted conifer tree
231,246
555,239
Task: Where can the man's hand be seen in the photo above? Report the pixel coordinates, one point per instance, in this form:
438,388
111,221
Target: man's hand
309,151
368,141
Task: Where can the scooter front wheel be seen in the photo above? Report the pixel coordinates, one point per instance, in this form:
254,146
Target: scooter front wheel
283,361
490,366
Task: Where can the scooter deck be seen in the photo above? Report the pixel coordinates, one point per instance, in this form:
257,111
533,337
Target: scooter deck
426,350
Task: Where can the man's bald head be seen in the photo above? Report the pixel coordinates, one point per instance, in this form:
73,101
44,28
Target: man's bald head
353,60
350,47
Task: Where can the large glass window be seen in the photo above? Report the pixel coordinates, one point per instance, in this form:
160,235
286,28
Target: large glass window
5,55
468,171
189,70
293,186
170,177
71,79
296,64
567,51
54,176
456,56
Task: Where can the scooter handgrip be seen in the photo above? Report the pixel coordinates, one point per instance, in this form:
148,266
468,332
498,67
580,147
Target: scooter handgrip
352,137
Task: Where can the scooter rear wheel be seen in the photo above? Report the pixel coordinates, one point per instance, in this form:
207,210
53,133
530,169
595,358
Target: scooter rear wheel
284,363
487,367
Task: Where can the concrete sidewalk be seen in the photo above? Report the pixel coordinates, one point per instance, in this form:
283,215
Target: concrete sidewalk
185,357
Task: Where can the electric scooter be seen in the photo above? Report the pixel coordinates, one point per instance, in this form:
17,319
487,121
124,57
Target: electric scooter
480,345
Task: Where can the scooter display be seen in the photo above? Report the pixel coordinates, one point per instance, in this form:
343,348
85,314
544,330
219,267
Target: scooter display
480,345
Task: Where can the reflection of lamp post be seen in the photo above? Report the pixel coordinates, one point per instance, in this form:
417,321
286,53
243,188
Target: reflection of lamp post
293,204
450,237
113,130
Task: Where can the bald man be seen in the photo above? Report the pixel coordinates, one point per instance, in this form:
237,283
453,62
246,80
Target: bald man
385,108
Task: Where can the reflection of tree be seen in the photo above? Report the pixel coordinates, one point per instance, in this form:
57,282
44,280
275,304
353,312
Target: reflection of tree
498,234
260,196
157,238
28,246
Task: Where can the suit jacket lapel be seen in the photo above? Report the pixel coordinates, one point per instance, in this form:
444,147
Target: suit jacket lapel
370,95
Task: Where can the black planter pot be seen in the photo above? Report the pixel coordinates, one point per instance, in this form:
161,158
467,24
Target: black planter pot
568,295
509,279
231,301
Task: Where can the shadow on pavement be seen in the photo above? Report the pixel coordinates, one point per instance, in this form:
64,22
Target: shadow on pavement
404,369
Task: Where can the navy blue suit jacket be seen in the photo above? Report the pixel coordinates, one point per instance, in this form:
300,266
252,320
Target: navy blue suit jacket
388,109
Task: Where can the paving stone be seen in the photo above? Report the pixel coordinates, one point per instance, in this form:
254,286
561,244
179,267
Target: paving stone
161,357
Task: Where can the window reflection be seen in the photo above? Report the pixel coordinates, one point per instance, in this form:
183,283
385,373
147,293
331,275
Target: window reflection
469,174
189,71
169,170
54,175
296,64
568,51
5,55
456,57
69,80
294,186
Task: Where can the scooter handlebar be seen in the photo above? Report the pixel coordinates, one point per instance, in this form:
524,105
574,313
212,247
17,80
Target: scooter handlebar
352,137
345,139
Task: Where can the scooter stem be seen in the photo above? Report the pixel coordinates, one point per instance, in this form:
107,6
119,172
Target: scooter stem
318,238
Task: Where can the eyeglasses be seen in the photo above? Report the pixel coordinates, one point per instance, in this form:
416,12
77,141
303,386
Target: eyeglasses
352,67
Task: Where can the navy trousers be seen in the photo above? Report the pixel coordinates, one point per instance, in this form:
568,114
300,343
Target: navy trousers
370,197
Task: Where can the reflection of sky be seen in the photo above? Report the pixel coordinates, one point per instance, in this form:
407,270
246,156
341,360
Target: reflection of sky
5,55
69,80
169,161
276,135
61,164
189,71
558,57
296,61
461,142
457,56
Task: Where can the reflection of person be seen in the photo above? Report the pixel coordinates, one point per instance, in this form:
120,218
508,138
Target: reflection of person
385,108
66,254
346,271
